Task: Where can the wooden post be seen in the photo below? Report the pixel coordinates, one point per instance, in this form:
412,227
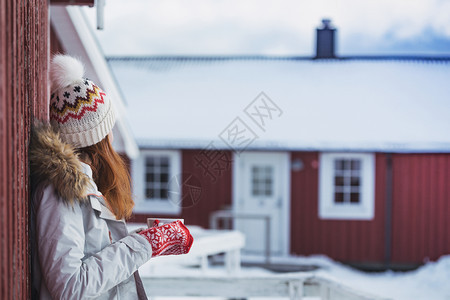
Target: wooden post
268,238
296,290
23,97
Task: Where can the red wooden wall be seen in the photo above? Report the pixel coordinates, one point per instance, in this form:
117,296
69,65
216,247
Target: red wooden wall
23,96
215,195
348,241
420,227
421,207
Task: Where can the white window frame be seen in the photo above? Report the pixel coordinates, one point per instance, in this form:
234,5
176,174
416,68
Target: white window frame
155,206
365,209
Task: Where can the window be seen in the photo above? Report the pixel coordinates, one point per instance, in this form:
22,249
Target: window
346,186
347,180
262,182
157,177
155,182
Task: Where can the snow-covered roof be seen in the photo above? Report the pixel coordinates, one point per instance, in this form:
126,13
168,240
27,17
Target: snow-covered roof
359,104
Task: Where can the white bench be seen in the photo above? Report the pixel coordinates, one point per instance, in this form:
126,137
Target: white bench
206,243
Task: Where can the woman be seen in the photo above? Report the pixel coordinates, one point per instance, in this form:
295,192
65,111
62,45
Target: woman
81,196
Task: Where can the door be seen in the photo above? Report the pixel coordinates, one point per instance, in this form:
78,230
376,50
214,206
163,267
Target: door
261,192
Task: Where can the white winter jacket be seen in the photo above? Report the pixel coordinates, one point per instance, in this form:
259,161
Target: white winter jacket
79,249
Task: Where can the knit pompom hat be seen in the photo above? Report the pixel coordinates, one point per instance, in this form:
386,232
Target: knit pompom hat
79,110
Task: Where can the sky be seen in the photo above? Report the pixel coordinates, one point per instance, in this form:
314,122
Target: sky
277,27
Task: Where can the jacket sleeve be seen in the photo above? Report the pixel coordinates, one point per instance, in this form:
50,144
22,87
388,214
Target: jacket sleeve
61,241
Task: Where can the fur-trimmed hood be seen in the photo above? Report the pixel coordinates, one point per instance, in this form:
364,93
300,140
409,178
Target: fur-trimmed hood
55,162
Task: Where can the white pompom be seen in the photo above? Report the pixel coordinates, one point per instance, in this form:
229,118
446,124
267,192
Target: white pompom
65,70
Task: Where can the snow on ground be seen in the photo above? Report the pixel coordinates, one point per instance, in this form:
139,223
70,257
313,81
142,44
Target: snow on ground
430,281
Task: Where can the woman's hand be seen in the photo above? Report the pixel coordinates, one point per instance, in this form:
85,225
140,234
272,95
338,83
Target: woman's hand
169,239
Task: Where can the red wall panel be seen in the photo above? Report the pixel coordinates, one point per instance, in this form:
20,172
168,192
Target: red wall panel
348,241
216,189
421,210
23,96
216,193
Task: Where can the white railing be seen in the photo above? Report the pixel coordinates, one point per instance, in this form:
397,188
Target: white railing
231,216
294,288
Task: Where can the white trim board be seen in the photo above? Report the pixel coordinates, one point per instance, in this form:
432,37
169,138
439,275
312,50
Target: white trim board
142,205
328,209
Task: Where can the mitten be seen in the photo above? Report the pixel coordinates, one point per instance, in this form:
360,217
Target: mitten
169,239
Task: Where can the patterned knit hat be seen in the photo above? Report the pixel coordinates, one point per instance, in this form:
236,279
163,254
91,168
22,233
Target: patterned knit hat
79,110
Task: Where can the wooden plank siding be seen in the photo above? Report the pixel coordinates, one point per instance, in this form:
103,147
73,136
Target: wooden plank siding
420,213
420,227
215,195
421,208
343,240
23,96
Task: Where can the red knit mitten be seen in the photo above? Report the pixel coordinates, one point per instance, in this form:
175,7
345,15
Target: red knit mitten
169,239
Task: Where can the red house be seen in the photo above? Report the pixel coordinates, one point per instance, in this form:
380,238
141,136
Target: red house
347,157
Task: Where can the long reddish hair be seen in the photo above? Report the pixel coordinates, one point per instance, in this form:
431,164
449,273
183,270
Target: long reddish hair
111,175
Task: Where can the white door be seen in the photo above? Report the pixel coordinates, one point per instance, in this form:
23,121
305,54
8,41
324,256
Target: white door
261,189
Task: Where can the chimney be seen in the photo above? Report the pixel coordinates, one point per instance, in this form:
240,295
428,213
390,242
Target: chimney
325,40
